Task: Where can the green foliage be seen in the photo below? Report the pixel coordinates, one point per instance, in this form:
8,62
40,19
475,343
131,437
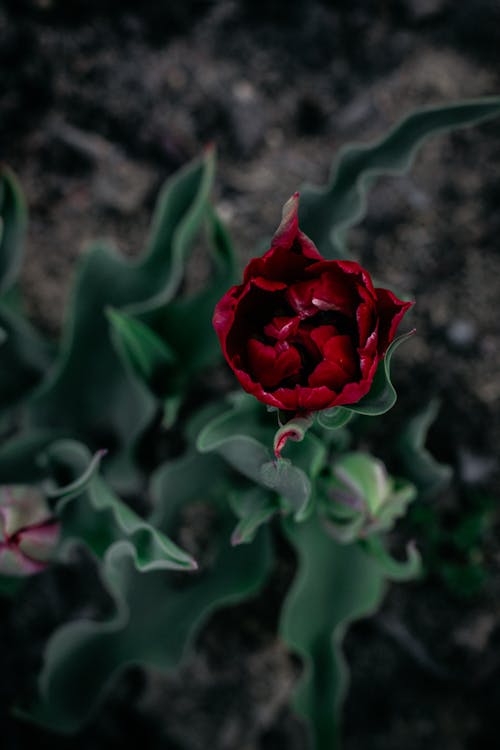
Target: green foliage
134,350
167,343
90,395
241,437
335,585
25,356
334,419
148,356
360,498
155,615
326,214
254,507
91,513
419,465
13,220
382,395
453,544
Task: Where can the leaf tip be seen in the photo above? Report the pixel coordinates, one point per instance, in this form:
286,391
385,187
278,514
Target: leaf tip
236,538
209,150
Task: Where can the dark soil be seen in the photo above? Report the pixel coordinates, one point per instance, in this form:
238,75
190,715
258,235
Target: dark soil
99,103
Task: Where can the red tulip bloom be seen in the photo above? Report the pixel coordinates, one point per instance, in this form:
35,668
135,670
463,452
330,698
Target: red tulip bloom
302,333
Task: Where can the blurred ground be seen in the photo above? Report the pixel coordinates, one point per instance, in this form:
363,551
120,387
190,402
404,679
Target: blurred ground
99,103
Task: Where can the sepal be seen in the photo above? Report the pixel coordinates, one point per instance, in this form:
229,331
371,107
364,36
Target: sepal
382,395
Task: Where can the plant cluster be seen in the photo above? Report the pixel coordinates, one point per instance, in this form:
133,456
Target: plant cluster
128,411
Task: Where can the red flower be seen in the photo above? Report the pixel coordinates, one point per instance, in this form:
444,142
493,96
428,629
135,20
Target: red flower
302,333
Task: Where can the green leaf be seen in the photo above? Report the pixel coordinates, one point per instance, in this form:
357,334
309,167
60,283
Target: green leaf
326,214
366,477
171,406
141,350
334,419
180,212
254,507
83,658
91,513
239,435
335,585
382,395
90,395
255,418
420,466
173,343
291,483
80,483
13,219
234,436
19,457
243,453
25,358
185,323
394,570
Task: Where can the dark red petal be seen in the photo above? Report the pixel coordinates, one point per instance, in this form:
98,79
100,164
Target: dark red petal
282,264
315,399
330,374
305,399
390,311
348,270
363,277
300,298
353,392
238,320
224,314
268,285
332,291
272,364
290,252
307,247
288,232
340,351
321,336
368,354
282,327
366,315
256,389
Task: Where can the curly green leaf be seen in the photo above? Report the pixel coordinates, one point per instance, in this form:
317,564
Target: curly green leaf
326,214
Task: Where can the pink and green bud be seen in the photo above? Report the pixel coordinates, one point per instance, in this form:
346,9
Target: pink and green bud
28,532
361,498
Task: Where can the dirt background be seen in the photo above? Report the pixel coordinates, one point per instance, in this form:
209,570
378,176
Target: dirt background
99,103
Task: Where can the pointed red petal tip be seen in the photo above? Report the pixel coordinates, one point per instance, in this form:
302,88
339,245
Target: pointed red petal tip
209,148
290,208
289,225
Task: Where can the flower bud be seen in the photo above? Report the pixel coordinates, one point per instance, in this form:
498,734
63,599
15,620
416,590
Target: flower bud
360,498
28,532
